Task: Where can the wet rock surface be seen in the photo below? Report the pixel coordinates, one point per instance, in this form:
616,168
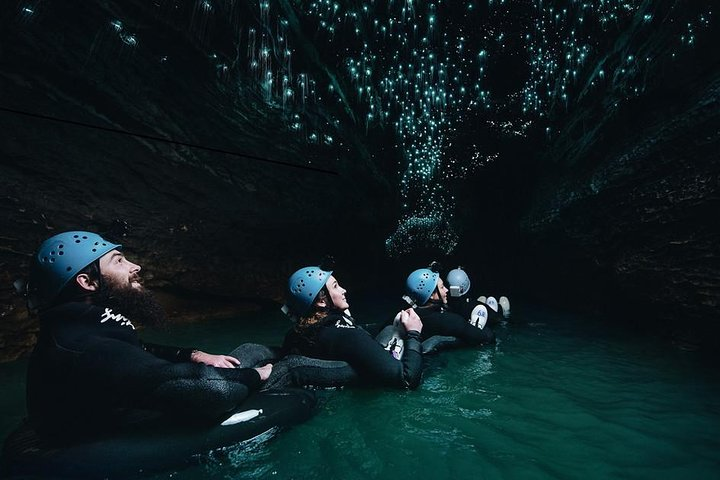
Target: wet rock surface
627,219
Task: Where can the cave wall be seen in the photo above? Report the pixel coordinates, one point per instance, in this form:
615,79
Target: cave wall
191,170
624,216
154,134
611,206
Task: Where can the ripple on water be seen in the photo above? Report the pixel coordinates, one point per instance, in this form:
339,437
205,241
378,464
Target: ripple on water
559,397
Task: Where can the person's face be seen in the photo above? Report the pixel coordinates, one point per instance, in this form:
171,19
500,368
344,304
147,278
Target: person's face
337,294
119,271
440,292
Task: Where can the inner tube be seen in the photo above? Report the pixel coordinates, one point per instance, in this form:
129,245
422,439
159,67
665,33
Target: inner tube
392,336
156,449
295,370
301,371
438,343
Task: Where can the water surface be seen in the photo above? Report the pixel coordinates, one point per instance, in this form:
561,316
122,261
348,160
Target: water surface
560,396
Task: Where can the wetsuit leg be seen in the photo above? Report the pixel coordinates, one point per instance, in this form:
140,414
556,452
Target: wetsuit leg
253,355
301,371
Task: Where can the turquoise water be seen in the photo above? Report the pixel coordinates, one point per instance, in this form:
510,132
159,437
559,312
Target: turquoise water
559,396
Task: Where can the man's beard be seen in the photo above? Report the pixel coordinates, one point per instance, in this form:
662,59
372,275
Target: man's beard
139,305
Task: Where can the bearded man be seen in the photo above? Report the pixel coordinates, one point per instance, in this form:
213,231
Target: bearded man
90,373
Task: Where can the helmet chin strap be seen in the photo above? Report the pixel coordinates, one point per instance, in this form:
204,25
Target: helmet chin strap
326,307
436,301
331,308
100,282
322,308
338,310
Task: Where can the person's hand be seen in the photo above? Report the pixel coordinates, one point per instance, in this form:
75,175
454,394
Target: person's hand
410,320
220,361
264,371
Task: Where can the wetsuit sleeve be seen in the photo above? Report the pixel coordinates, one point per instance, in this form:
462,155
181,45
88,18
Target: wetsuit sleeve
370,360
169,353
135,378
452,324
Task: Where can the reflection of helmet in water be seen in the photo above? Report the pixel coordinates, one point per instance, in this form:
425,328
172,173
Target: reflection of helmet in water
421,284
303,287
60,258
458,282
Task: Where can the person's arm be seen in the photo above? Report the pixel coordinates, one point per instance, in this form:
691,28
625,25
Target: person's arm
371,361
452,324
135,378
169,353
182,354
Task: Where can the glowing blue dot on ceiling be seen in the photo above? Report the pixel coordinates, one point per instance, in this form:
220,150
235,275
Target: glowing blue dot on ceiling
422,69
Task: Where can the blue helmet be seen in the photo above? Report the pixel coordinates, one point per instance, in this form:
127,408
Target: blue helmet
458,282
60,258
421,284
303,287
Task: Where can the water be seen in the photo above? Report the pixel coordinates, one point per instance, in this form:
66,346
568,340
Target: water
558,397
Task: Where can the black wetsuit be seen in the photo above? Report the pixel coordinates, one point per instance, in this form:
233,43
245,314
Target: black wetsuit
438,320
337,337
90,372
461,305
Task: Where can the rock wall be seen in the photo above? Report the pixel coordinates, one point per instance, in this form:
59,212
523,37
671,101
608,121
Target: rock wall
624,217
194,172
153,133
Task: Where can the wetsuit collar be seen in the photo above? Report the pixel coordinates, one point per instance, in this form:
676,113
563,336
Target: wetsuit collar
435,305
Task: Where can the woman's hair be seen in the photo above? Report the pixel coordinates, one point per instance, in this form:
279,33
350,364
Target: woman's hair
316,314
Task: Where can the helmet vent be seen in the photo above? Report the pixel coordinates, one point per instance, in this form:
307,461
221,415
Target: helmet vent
63,256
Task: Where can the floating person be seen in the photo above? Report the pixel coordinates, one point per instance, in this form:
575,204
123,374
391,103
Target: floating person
478,312
426,290
325,330
90,376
